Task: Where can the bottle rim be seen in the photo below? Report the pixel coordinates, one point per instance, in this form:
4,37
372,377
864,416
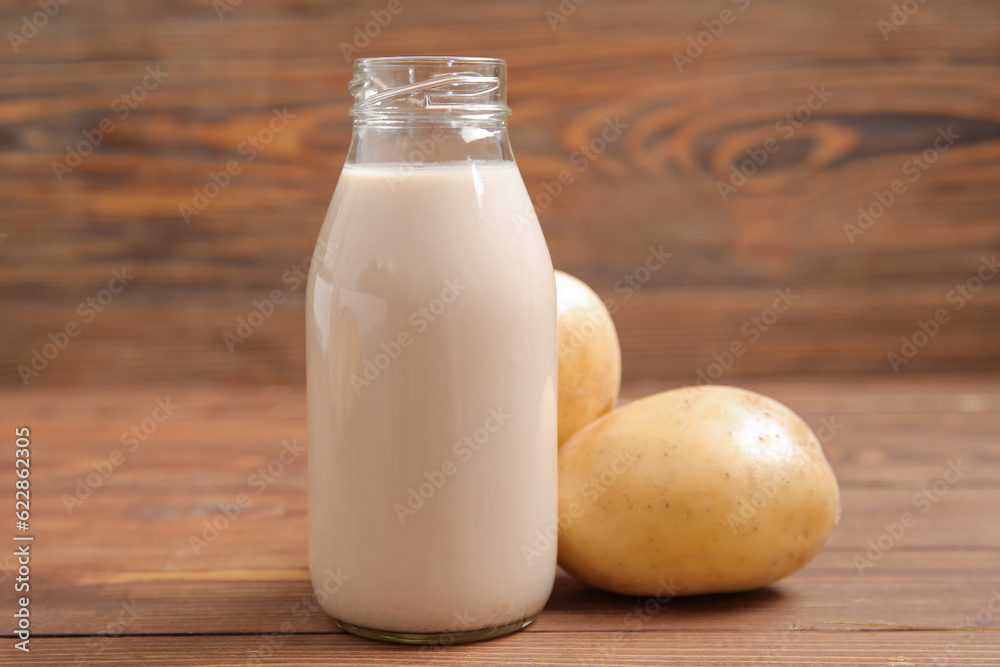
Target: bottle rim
391,88
409,60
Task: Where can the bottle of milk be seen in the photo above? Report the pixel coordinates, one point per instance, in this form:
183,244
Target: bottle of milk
431,364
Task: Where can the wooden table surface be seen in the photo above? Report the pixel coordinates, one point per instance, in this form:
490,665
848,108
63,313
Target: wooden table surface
115,579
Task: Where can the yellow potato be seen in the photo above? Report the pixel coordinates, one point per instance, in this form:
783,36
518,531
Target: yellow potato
590,359
701,489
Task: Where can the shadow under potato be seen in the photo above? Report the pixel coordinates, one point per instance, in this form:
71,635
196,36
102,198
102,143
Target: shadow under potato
573,596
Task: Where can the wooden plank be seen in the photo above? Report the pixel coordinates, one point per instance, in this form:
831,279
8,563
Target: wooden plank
917,395
246,428
158,524
830,594
702,649
836,331
657,184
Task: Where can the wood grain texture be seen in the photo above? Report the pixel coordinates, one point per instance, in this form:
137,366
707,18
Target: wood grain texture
907,588
706,649
657,184
116,581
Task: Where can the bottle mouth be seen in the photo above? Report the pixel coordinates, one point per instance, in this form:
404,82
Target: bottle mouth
429,87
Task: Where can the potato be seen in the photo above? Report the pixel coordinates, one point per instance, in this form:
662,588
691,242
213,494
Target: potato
705,489
590,359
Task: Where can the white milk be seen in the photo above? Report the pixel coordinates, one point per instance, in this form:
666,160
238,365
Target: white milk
431,360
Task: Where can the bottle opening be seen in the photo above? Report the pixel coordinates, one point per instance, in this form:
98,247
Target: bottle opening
429,87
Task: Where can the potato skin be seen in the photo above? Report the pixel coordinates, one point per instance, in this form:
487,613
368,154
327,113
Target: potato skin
706,489
590,357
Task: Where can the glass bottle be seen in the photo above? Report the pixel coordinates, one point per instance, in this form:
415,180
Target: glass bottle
431,366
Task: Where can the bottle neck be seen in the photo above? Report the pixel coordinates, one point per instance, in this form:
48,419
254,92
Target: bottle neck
427,142
429,110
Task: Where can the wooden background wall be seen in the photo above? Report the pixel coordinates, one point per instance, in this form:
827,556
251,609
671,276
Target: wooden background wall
889,95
